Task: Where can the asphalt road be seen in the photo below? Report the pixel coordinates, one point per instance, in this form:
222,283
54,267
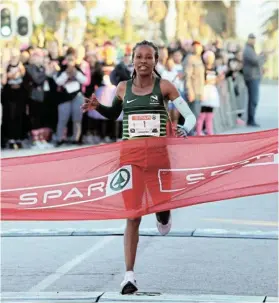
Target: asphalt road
164,264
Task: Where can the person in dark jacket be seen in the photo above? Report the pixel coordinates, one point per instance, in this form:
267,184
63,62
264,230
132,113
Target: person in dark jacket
35,81
13,101
70,79
252,70
122,71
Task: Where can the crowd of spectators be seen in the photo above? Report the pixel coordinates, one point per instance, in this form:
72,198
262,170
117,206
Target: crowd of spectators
42,89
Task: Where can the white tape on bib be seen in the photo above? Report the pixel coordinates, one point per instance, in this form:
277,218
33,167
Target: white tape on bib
144,125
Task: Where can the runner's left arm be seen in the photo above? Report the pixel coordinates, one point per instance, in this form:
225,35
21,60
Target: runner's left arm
171,93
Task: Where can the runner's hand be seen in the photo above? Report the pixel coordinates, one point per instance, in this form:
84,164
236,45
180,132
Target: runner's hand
181,131
90,103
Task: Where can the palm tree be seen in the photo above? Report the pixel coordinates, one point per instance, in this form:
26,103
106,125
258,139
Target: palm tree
128,27
157,12
56,12
88,5
180,18
270,25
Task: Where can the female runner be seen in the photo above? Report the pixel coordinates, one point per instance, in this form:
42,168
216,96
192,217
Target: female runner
143,100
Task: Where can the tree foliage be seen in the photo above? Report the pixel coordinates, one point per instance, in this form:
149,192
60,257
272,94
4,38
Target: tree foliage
88,5
270,26
42,34
103,29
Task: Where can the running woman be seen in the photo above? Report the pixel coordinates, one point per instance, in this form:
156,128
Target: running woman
145,94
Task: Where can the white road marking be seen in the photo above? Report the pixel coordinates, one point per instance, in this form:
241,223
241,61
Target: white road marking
64,269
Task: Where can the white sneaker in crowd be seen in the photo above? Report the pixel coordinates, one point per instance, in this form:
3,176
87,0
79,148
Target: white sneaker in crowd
36,145
107,139
96,140
46,145
129,284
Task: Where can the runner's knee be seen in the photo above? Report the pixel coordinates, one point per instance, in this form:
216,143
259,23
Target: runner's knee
135,223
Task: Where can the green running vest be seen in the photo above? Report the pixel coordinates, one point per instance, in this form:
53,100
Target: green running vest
144,116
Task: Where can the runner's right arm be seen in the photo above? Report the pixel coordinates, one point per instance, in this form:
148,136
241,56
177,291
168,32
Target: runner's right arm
111,112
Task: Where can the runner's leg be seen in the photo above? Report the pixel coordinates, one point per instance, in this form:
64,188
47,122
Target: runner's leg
133,201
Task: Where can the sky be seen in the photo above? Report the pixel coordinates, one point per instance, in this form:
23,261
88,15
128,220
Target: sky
250,14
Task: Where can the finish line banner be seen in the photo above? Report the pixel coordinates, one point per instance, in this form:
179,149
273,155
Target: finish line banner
138,177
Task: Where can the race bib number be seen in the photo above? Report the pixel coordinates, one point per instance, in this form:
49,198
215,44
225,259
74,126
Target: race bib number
144,125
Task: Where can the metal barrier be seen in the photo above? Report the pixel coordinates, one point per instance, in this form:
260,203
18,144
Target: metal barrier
233,101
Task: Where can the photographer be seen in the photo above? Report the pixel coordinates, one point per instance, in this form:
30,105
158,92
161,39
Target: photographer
70,80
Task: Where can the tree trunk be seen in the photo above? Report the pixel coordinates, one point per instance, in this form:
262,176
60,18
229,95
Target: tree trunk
163,24
180,7
51,14
66,30
128,30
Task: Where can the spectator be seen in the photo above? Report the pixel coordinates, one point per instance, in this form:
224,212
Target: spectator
218,48
171,74
194,74
14,103
211,98
187,51
84,66
51,96
54,51
100,60
96,71
252,70
122,71
163,56
177,59
70,80
24,58
35,79
234,71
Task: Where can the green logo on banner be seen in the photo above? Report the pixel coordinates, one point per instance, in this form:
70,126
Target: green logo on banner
120,180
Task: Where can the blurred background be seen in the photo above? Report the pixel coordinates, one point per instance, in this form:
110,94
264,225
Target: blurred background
101,35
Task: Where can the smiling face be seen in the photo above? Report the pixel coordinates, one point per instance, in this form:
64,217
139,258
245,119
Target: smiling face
144,60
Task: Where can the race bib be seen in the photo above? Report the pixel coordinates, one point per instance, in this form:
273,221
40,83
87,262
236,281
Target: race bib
72,87
144,125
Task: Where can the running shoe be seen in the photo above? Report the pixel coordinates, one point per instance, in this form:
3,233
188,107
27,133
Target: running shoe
164,222
129,284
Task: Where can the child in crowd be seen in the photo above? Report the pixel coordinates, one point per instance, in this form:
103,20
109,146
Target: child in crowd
70,80
211,98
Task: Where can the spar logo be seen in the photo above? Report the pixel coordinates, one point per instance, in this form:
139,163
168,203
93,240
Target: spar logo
173,180
120,180
76,192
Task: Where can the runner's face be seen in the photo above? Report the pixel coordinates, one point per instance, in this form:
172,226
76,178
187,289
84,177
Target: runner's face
144,60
